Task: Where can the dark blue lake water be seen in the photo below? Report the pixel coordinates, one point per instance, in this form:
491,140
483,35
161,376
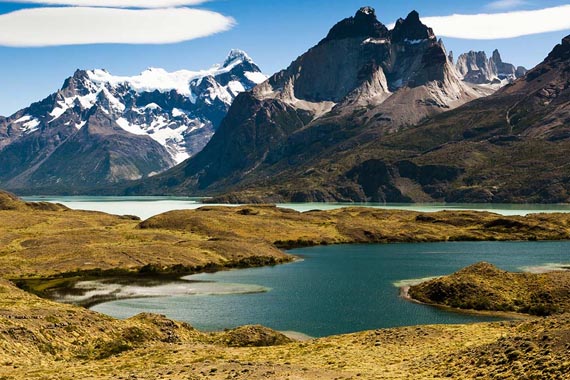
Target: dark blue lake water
339,289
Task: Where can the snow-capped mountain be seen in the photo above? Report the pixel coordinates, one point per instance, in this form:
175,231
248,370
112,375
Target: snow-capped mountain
171,114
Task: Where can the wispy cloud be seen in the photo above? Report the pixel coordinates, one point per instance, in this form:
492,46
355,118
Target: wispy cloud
501,25
114,3
82,25
505,4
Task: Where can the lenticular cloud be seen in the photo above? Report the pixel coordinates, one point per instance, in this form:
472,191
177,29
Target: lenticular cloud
85,25
116,3
501,25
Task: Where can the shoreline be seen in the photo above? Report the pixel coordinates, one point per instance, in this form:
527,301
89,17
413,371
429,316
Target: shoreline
211,239
64,283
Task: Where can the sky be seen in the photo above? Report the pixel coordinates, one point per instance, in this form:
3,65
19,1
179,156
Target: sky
42,42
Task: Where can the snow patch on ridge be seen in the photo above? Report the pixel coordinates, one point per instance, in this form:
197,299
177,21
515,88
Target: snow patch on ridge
31,126
256,78
166,133
23,119
156,79
375,41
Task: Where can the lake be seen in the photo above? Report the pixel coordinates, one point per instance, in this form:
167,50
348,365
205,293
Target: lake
333,289
145,207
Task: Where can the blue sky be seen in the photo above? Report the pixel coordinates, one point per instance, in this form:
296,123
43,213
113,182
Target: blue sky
272,32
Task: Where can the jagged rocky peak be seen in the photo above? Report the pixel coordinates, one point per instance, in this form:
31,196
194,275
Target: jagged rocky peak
476,68
236,55
506,71
241,68
411,29
362,62
363,24
77,84
496,57
240,57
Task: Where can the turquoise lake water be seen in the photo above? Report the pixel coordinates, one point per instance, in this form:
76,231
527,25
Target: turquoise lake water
145,207
335,289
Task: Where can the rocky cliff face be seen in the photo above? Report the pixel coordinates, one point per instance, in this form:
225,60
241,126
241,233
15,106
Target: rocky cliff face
360,77
476,68
100,129
507,71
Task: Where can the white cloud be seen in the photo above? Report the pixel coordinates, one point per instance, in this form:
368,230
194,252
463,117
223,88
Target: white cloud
505,4
79,25
501,25
114,3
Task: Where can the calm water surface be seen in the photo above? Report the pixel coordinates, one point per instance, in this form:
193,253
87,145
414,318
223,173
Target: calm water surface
339,289
145,207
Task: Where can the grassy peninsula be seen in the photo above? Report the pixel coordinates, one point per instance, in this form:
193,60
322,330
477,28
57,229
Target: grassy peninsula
484,287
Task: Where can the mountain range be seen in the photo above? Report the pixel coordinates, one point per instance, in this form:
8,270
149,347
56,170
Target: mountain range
363,116
100,129
367,114
360,77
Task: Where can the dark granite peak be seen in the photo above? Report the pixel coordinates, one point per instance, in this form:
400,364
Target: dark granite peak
413,16
78,76
363,24
411,29
76,83
365,13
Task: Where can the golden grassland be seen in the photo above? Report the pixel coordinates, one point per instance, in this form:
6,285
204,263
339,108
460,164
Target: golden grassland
41,339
